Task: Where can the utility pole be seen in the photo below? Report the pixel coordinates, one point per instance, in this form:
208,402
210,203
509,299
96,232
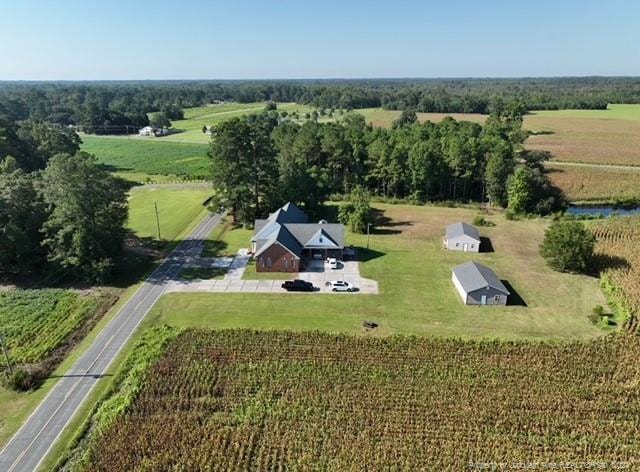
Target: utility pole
155,204
368,226
6,354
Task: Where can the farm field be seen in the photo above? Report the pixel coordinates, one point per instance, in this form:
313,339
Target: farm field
381,118
618,242
596,184
417,296
247,400
139,159
40,327
178,209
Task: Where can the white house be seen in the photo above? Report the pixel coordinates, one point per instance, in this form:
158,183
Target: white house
151,131
462,237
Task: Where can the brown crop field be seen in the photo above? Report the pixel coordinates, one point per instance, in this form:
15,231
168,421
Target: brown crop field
618,243
590,140
584,183
245,400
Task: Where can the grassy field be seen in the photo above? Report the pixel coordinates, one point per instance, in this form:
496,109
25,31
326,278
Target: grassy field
178,207
417,296
244,400
138,159
596,184
385,118
190,129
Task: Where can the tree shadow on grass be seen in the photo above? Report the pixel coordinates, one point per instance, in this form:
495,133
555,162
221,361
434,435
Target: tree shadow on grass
385,225
364,255
514,299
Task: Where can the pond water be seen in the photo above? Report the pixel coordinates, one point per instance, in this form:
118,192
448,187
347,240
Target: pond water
602,210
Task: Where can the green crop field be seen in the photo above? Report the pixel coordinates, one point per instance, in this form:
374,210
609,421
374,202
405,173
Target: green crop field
245,400
148,157
417,297
37,322
178,209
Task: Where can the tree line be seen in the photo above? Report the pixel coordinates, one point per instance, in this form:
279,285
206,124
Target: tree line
123,107
59,212
261,161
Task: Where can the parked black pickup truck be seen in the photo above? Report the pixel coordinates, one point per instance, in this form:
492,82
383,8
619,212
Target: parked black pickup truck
297,285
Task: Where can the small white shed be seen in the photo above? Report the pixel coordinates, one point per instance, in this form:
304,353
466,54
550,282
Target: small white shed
462,237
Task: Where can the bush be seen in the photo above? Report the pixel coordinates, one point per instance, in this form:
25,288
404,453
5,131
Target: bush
510,215
22,380
480,220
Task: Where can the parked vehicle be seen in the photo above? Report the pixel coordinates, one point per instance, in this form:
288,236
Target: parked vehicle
297,285
333,263
341,286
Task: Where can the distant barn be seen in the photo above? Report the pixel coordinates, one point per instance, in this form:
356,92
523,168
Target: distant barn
479,285
462,237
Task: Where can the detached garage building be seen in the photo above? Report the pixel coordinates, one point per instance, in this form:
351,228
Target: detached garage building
479,285
462,237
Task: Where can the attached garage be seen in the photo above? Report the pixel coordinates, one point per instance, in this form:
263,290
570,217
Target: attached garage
477,284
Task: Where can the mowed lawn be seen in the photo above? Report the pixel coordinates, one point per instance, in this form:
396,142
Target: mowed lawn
417,296
140,158
178,209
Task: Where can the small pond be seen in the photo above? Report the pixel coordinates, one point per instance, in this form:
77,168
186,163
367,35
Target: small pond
602,210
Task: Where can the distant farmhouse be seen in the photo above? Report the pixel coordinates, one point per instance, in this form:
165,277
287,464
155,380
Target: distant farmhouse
286,238
151,131
479,285
462,237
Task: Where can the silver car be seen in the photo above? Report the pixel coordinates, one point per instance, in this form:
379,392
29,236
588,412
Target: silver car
341,286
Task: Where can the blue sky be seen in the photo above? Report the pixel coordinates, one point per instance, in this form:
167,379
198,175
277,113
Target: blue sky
249,39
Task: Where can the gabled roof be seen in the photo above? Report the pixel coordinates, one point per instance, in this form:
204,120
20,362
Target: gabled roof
462,229
305,232
283,237
289,213
473,276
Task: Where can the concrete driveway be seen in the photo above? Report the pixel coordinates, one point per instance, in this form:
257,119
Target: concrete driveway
317,272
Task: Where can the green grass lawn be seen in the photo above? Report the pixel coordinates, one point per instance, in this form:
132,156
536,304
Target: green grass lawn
178,207
145,157
226,240
190,129
417,296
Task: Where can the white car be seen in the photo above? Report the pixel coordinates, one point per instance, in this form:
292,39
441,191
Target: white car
333,263
341,286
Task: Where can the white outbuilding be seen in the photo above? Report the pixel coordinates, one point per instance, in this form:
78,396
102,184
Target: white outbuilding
462,237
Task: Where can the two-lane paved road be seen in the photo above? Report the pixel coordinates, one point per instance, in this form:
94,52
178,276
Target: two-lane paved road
32,442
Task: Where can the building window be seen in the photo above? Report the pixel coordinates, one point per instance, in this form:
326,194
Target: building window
286,263
497,298
269,262
262,262
472,246
457,244
320,239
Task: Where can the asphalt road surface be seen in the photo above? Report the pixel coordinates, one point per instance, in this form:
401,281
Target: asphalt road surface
29,446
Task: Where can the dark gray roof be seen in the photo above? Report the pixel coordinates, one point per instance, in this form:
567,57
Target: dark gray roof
473,276
282,236
462,229
303,232
289,213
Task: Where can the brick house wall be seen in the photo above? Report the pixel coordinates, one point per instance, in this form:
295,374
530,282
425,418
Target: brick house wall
277,259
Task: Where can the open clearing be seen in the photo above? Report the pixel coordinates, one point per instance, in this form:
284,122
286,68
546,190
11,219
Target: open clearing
178,208
245,400
416,293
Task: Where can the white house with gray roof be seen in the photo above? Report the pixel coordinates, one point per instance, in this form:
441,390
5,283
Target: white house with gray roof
280,241
462,237
478,285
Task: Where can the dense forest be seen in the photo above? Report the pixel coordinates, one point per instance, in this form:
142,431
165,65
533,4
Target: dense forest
59,211
261,161
122,107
